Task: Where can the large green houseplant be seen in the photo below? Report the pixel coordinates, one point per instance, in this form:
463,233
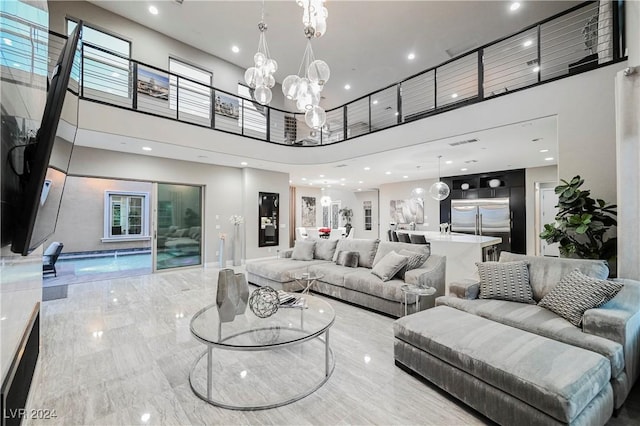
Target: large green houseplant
582,223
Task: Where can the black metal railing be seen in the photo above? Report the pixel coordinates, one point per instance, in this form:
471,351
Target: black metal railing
582,38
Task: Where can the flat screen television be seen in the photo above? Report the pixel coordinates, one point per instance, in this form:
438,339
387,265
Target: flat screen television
33,209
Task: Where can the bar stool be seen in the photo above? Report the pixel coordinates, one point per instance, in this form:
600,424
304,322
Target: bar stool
403,237
417,239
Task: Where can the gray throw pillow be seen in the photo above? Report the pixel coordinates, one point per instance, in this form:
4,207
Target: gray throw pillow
303,250
389,265
576,292
348,259
325,249
415,260
505,281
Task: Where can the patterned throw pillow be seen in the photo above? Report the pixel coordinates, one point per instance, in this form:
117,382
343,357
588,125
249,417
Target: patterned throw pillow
389,266
505,281
303,250
415,261
576,292
348,259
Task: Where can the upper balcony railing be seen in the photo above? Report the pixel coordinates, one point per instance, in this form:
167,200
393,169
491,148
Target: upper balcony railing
582,38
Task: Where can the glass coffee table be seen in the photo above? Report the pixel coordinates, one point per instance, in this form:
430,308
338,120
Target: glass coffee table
257,363
306,279
418,292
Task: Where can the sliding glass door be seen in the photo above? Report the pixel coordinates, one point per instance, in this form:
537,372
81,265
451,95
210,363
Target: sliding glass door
178,226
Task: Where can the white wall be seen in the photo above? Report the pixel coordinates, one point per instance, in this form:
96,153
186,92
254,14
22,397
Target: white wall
151,47
402,191
548,174
222,185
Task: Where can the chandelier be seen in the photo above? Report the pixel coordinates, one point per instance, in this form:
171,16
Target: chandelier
439,190
260,77
305,87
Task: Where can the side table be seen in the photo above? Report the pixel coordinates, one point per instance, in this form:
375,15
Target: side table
418,292
306,279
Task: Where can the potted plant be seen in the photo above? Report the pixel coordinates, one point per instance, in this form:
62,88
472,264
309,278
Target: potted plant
582,224
347,214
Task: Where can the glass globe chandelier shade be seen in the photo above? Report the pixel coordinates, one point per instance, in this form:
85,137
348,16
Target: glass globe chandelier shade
290,86
418,193
319,72
325,201
314,17
262,95
315,117
439,190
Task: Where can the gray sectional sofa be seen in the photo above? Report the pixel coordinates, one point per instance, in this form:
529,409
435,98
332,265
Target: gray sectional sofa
514,361
355,285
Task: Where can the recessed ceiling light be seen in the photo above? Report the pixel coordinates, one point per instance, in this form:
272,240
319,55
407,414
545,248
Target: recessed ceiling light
536,69
548,159
375,102
411,56
7,41
347,86
310,183
146,148
321,176
397,113
290,181
342,184
527,43
343,179
367,168
514,6
455,95
359,189
321,189
464,169
235,49
387,173
448,162
544,150
304,178
244,163
405,177
153,10
360,182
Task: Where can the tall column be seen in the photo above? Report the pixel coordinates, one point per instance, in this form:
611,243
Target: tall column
628,150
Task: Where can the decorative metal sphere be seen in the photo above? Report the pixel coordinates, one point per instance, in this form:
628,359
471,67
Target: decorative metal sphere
315,117
439,191
264,302
319,72
290,86
262,95
262,26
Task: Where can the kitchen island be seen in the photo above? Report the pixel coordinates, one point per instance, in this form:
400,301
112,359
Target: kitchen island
462,252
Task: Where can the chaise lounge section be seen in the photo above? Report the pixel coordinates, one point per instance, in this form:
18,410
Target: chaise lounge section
504,380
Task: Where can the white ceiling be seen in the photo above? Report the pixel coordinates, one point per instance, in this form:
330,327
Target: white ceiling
366,45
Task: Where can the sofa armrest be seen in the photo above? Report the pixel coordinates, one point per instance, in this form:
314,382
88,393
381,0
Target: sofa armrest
286,254
465,289
619,320
431,274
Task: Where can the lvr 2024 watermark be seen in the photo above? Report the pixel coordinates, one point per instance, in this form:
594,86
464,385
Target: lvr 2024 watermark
22,413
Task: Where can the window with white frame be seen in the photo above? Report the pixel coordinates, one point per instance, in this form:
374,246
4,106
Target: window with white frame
192,94
105,62
126,215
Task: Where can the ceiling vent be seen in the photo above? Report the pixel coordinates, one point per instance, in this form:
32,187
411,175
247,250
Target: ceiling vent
341,165
471,161
463,142
178,1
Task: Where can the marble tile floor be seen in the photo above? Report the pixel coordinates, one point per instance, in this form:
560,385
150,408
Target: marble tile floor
119,352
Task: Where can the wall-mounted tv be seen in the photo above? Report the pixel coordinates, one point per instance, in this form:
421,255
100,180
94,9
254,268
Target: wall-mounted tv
30,208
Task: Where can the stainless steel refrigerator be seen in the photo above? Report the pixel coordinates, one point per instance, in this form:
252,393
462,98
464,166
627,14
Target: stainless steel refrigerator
489,217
